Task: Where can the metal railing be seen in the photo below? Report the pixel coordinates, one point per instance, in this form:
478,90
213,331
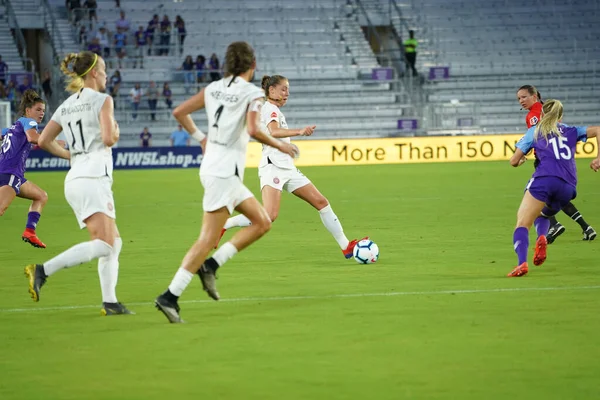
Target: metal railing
16,31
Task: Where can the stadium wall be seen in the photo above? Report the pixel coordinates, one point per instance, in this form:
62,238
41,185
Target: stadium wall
327,152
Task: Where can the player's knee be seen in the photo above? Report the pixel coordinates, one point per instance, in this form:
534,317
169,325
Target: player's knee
321,203
43,198
264,224
273,215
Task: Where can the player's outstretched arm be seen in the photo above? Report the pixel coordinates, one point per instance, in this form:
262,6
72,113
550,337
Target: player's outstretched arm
279,132
594,131
182,114
109,129
47,140
252,120
518,158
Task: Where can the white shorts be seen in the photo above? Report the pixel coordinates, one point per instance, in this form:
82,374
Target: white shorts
278,178
88,196
223,192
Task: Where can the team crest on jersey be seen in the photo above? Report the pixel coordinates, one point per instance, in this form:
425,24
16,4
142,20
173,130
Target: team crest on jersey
533,121
276,180
273,114
110,207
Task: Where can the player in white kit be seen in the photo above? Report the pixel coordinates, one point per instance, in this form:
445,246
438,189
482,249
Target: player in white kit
233,107
87,119
277,171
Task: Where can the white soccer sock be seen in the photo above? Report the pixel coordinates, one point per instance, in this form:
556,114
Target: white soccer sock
237,221
78,254
224,253
108,271
180,281
333,225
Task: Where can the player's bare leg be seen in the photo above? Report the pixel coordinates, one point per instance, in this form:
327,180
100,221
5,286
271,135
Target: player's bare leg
7,195
39,197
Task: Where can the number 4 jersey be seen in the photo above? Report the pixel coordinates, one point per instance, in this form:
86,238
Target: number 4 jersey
557,154
79,117
226,102
15,148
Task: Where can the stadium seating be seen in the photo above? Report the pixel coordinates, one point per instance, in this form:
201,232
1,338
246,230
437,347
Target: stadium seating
313,43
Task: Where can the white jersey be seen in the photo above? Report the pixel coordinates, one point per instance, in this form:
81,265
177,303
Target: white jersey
226,105
79,117
269,113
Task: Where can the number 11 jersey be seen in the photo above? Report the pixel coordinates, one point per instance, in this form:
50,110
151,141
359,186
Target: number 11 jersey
226,102
79,117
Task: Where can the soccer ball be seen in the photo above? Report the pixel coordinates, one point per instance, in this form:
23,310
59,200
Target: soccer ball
366,252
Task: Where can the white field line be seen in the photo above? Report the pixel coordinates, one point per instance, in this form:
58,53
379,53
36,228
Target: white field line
320,297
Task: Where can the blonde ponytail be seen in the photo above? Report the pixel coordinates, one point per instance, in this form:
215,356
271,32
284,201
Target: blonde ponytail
75,67
548,125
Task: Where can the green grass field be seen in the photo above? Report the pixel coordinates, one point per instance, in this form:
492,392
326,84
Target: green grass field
436,317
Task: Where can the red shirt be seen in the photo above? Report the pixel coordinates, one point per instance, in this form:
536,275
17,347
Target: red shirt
534,115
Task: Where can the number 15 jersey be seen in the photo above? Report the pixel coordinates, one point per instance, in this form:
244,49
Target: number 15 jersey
226,104
557,154
79,117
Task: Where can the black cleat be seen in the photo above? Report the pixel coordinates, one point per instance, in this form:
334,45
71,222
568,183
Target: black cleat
554,232
589,234
37,279
209,281
169,308
114,309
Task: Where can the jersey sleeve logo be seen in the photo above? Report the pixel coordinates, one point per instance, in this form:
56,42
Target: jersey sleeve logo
533,121
273,114
32,123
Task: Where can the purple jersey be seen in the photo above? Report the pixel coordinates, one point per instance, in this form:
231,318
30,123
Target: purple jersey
15,148
557,154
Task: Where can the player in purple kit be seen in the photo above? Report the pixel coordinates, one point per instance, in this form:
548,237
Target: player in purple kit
553,184
13,156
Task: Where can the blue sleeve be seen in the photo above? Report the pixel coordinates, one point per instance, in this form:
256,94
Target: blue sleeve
28,123
526,142
5,131
581,133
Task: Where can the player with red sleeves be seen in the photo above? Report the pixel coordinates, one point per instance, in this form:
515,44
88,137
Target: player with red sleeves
530,99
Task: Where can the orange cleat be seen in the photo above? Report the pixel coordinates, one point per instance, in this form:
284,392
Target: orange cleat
220,236
30,237
351,245
519,271
539,254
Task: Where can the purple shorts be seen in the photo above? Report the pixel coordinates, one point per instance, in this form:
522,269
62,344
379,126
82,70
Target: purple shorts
553,191
13,181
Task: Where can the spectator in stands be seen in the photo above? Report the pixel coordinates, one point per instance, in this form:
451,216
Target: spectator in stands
136,97
410,52
26,85
118,3
3,71
82,37
120,43
165,35
180,25
153,25
180,138
11,94
214,67
145,138
3,91
95,47
152,95
115,83
75,12
141,40
104,39
123,23
91,6
167,94
46,84
188,74
200,66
